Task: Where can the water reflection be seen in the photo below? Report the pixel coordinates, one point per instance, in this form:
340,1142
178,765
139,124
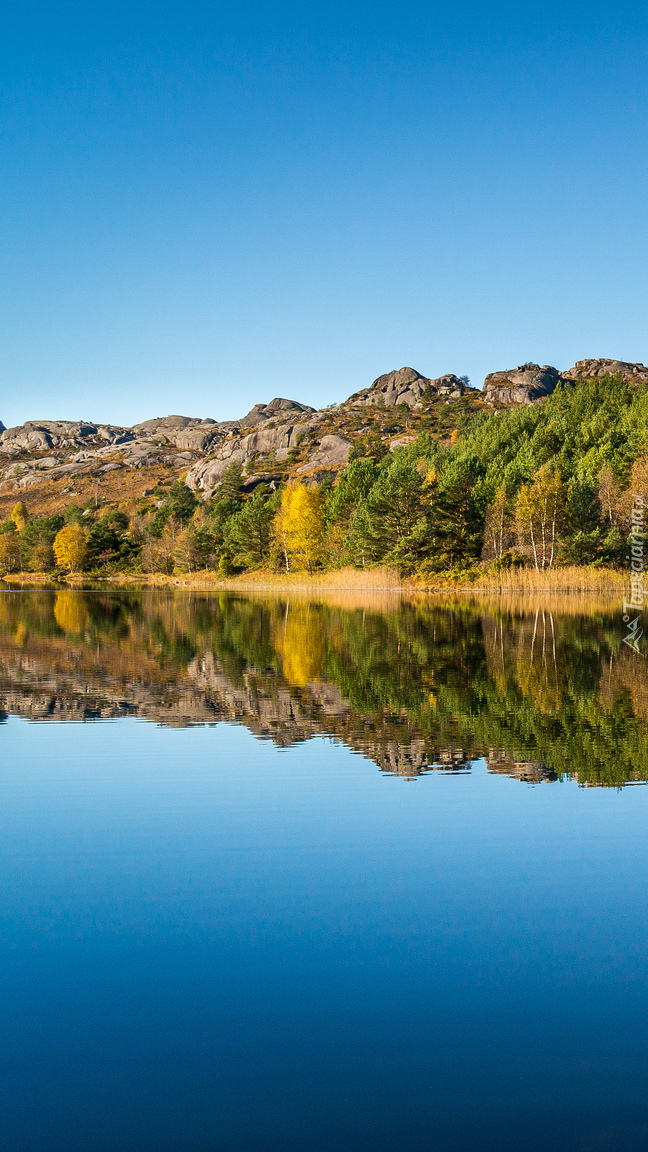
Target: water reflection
541,690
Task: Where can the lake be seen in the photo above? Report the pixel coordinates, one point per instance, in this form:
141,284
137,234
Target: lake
360,874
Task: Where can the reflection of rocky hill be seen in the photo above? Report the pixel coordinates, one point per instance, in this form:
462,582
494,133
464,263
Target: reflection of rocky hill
270,710
415,687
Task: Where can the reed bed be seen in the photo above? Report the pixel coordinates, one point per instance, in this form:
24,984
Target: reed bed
554,580
606,584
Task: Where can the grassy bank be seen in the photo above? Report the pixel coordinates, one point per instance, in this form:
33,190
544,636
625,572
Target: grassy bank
555,581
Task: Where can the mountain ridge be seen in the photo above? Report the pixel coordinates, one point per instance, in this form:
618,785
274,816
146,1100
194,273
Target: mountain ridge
59,461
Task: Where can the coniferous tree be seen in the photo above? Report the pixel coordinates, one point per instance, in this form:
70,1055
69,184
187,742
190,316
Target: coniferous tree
394,524
247,534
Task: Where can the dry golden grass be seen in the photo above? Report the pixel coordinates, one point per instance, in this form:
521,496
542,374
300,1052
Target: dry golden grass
518,593
50,498
380,579
552,580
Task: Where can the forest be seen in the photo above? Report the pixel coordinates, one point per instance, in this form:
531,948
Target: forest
539,486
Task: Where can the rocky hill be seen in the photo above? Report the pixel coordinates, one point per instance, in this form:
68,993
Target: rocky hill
58,460
529,383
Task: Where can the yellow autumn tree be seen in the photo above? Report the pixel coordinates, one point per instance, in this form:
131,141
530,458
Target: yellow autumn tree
539,516
70,547
299,527
19,515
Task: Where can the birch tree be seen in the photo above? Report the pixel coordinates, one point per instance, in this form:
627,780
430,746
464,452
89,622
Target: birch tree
539,515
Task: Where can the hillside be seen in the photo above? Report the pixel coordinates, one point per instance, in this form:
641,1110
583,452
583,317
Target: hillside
436,452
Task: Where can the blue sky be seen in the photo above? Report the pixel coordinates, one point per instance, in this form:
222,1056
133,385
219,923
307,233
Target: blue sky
203,206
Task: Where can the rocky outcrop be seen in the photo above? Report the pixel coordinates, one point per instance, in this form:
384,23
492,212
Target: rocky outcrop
274,442
277,408
529,383
588,369
525,384
333,452
313,442
407,386
34,436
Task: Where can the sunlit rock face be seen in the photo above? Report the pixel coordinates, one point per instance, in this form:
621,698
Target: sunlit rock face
525,384
529,383
407,386
588,369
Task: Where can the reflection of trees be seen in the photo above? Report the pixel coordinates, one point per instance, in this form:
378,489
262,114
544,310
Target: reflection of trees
540,693
71,612
299,641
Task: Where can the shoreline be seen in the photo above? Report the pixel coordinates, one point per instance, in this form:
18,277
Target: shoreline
385,581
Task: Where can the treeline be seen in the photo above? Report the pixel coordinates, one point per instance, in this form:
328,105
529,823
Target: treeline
548,484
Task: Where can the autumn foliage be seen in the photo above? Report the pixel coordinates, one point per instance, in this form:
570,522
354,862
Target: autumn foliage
299,527
70,547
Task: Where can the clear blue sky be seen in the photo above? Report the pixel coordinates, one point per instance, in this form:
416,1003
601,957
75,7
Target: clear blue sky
203,206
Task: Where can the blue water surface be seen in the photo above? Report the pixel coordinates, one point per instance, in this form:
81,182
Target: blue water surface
209,943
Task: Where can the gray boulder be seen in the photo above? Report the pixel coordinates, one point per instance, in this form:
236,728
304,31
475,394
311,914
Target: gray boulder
407,386
525,384
206,475
197,439
333,452
277,408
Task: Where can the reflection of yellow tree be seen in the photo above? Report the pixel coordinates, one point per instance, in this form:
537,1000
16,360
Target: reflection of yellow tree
537,669
299,642
70,612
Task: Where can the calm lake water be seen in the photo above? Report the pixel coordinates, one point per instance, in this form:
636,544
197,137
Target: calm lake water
366,875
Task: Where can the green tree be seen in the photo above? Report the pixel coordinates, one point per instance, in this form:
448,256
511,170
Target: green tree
394,524
460,508
226,501
248,533
584,531
36,542
182,502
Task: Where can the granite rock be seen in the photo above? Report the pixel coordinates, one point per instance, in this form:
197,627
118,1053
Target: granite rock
407,386
525,384
588,369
